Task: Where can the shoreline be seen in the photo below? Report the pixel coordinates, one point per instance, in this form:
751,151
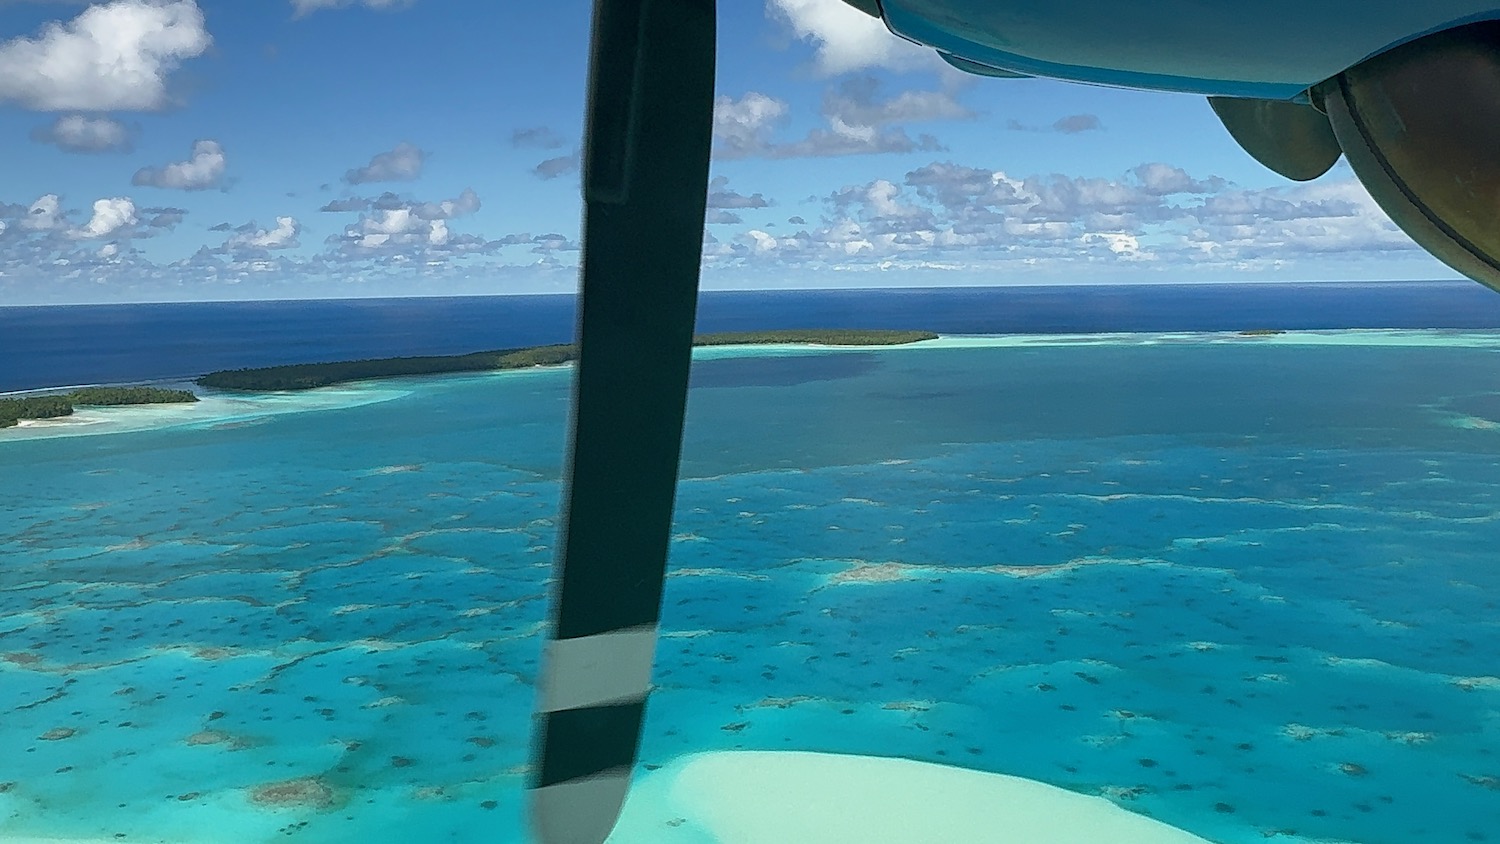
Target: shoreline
217,406
305,376
1411,337
299,377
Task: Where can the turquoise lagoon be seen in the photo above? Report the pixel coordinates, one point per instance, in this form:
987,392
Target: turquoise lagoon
1246,585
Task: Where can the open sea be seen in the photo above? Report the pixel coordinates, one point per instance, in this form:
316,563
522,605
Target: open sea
1247,585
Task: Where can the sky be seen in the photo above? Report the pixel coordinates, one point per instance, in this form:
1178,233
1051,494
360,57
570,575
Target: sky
182,150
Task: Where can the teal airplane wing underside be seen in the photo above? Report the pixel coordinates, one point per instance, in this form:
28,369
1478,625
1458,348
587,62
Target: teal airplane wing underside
1272,49
645,184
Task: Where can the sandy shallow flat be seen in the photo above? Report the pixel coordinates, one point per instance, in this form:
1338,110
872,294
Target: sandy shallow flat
750,797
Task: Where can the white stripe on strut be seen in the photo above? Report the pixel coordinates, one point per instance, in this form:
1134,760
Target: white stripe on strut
612,667
579,811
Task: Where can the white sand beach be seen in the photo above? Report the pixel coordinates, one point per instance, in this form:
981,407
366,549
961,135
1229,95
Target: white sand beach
1400,337
211,409
760,797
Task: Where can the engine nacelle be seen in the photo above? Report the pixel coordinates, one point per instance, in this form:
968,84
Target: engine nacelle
1420,125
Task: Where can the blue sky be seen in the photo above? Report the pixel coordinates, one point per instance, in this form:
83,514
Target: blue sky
162,150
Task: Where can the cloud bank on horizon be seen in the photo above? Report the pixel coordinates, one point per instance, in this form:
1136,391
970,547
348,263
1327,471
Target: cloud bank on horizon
150,136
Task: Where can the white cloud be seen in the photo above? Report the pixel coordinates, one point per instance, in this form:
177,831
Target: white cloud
44,215
855,102
1070,125
721,196
114,56
306,7
561,165
465,203
745,125
110,215
284,236
760,242
1163,179
1154,215
397,227
204,169
859,123
81,133
845,39
402,163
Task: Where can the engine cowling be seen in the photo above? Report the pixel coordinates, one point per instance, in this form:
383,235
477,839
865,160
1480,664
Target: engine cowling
1420,125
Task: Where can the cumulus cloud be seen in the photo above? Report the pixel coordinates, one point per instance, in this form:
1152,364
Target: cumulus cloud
404,229
204,169
398,227
400,164
353,203
81,133
1163,180
307,7
467,202
1075,123
45,214
859,122
720,196
845,39
110,216
856,102
1070,125
163,218
537,137
283,236
562,165
553,242
947,215
113,56
743,127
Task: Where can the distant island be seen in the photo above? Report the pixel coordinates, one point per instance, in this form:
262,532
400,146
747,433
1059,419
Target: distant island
1261,332
307,376
12,411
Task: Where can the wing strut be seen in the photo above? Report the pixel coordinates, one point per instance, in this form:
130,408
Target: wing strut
645,182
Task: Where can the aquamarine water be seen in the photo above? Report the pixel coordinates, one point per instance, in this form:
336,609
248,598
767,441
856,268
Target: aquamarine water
1245,585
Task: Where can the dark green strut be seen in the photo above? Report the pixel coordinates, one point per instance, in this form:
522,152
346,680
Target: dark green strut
645,183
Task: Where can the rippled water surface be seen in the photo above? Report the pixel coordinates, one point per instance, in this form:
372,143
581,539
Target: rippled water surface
1245,585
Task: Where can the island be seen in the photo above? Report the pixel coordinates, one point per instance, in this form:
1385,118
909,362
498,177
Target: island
12,411
307,376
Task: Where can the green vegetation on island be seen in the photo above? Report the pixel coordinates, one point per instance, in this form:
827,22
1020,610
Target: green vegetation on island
306,376
1261,332
51,407
819,337
33,407
112,396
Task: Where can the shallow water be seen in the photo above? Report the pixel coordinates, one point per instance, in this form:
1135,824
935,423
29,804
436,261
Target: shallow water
1245,585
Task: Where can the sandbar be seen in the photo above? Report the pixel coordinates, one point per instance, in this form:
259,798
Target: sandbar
770,797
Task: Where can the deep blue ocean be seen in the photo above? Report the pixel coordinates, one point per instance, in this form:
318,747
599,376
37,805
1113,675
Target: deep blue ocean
47,346
1246,585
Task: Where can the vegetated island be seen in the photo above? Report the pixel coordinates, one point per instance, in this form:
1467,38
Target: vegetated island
1261,332
307,376
13,411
